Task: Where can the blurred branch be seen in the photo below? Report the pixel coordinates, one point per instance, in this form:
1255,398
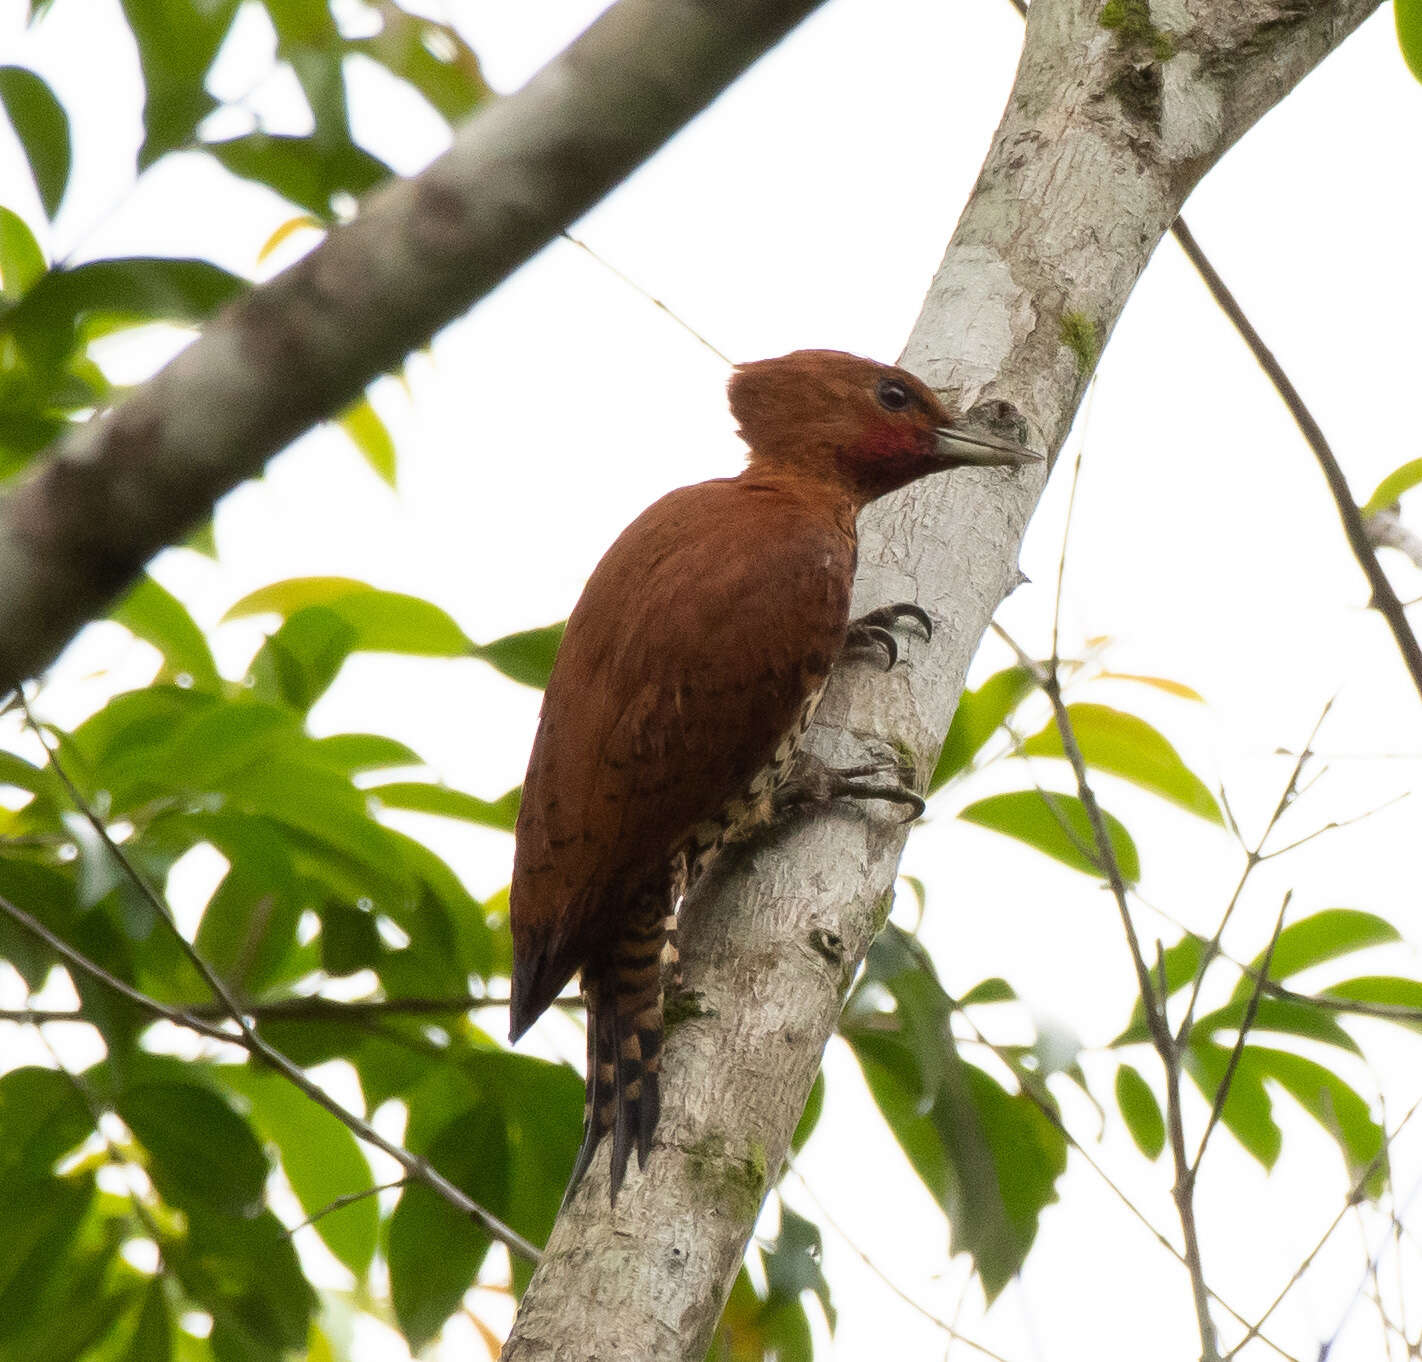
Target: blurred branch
302,347
1384,599
1152,1001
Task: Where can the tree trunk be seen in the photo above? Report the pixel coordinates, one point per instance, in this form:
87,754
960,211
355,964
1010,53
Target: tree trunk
1105,133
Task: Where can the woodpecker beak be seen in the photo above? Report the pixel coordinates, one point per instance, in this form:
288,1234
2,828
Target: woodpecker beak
959,445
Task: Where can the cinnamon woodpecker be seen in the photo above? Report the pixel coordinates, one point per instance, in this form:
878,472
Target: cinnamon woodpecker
686,679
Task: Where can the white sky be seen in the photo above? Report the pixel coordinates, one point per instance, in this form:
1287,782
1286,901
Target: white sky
810,207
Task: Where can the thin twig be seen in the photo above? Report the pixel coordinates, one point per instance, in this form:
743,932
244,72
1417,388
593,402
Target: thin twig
1246,1022
884,1277
1384,599
1253,857
1052,1115
417,1167
1165,1044
259,1047
176,1015
651,298
1354,1195
341,1202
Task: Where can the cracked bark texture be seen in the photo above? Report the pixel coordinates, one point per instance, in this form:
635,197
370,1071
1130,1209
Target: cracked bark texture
79,529
1106,131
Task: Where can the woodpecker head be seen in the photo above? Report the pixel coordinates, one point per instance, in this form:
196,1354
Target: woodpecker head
867,427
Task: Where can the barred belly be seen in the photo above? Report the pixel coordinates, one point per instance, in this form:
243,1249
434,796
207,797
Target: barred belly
743,815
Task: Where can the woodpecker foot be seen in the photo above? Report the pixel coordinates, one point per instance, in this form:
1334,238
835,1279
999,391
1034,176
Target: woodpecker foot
813,782
874,631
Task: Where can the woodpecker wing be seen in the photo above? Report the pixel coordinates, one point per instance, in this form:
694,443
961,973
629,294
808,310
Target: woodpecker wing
696,641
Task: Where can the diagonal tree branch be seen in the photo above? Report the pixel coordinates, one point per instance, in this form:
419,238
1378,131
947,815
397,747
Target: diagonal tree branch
1103,137
1362,538
303,346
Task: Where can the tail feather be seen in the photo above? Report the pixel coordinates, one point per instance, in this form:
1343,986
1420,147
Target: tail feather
625,1035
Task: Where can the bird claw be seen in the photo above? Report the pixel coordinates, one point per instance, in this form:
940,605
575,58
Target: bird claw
873,630
867,637
816,783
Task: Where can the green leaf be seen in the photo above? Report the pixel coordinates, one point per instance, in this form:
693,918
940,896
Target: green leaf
1247,1114
434,1251
1341,1111
305,171
1140,1111
177,42
979,715
1281,1015
810,1117
1381,988
384,621
1125,745
1057,825
526,657
440,799
1408,14
48,894
989,991
152,1339
352,753
371,437
42,126
432,57
321,1159
298,663
42,1219
1402,479
22,262
42,1118
792,1265
154,614
1319,938
112,294
244,1272
200,1152
1182,964
989,1157
248,928
350,940
218,743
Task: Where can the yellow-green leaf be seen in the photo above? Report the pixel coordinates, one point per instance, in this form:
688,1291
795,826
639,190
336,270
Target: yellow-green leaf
371,437
1393,486
1408,14
1125,745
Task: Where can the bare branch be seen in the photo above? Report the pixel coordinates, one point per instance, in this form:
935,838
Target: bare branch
1384,599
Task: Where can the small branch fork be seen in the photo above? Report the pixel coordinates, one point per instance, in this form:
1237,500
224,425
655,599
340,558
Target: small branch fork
417,1168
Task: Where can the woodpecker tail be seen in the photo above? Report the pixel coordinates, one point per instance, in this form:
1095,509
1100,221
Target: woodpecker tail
625,1034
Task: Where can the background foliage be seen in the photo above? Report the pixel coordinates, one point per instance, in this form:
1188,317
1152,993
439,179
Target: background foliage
156,1188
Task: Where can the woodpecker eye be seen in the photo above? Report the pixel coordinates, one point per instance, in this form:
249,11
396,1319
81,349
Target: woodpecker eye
893,396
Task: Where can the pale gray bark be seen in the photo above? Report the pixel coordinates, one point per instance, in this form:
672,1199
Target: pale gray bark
299,349
1104,135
